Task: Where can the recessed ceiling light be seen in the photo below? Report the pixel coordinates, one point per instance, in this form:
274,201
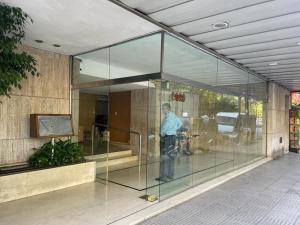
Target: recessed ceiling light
220,25
56,45
273,64
39,41
298,43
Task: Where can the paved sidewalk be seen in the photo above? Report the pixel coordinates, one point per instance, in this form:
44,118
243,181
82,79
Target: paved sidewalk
266,195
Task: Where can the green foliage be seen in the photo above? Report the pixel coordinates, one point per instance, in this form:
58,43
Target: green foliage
256,108
65,153
14,65
212,103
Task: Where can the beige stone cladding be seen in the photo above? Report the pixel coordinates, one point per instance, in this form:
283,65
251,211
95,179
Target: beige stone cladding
277,120
21,185
48,93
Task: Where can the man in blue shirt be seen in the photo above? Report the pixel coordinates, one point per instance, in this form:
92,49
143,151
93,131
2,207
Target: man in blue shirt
170,124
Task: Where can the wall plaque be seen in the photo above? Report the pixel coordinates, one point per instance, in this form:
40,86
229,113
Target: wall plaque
50,125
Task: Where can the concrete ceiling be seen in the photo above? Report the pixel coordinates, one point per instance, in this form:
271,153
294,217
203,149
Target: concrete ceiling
78,25
260,32
263,35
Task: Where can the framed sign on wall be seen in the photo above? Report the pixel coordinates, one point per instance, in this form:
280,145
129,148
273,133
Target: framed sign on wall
50,125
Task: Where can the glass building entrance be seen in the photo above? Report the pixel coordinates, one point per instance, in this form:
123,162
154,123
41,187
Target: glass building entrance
160,116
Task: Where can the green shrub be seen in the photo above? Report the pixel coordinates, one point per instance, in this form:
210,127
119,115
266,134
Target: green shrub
14,65
65,153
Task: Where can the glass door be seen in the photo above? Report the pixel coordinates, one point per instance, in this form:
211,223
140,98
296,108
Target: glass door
90,115
127,128
115,122
126,174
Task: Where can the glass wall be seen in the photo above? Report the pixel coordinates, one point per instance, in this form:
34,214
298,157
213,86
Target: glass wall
220,132
110,111
194,117
221,110
132,58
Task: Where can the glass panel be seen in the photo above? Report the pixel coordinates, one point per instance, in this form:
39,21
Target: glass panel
91,113
127,175
114,122
257,118
176,163
232,117
226,138
127,127
153,151
206,122
137,57
93,66
186,61
132,58
204,139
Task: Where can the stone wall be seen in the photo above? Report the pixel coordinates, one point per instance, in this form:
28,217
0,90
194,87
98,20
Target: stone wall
277,120
48,93
21,185
139,119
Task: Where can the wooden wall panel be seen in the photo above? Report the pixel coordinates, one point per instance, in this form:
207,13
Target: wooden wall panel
48,93
87,109
119,115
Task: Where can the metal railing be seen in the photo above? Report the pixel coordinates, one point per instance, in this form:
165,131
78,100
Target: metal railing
118,129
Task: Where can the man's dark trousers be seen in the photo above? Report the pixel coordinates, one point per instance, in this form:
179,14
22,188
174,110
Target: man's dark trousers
167,144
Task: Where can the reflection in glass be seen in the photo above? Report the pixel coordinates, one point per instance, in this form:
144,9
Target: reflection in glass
218,115
132,58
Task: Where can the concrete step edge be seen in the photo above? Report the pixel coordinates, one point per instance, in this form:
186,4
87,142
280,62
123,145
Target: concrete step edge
110,155
118,161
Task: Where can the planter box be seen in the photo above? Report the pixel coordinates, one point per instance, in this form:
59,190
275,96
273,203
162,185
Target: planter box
21,185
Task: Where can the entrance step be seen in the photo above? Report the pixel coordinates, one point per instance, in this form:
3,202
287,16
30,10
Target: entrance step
116,164
111,155
114,160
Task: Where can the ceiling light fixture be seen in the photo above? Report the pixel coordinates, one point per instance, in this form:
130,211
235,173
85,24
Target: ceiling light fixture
39,41
56,45
273,64
220,25
298,43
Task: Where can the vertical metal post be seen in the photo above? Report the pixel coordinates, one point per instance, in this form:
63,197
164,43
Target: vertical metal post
266,101
92,133
162,52
71,65
162,55
140,157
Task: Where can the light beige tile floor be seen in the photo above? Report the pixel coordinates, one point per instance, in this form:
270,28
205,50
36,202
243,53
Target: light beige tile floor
88,204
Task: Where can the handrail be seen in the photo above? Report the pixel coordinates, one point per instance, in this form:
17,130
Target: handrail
119,129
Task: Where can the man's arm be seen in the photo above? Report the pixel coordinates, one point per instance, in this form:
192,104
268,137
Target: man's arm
179,123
